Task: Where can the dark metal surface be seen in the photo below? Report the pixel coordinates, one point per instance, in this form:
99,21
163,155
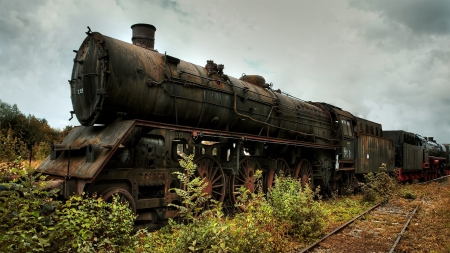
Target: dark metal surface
372,152
143,35
400,138
235,135
412,157
369,127
108,138
105,139
112,79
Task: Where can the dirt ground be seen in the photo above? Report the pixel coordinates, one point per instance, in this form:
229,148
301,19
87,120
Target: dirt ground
429,230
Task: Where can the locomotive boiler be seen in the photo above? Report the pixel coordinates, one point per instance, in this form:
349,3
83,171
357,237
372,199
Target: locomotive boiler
140,109
113,79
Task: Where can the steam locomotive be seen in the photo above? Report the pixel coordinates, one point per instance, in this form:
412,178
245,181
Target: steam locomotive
139,110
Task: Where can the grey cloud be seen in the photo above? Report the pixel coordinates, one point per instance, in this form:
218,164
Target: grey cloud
174,6
426,17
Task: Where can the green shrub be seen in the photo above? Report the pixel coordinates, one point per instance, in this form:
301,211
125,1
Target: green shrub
257,229
31,220
192,194
379,186
41,151
87,224
344,209
254,230
407,194
11,147
296,207
26,213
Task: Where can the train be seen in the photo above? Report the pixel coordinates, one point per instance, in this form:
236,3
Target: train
140,110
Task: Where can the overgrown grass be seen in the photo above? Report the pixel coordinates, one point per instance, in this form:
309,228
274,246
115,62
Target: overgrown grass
343,209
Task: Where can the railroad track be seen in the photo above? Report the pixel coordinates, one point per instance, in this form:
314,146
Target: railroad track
436,179
378,229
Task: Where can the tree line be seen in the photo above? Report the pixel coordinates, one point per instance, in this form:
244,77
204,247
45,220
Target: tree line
25,135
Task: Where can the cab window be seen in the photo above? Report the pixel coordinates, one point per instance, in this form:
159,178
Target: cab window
347,128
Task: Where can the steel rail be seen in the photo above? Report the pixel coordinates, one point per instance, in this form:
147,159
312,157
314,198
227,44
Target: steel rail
399,236
436,179
338,229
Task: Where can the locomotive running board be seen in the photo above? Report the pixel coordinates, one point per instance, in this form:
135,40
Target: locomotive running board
86,150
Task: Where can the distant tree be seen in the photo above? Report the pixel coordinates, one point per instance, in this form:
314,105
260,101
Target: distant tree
11,147
10,116
32,132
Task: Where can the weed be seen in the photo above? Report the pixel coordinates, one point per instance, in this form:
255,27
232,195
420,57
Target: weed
295,207
379,186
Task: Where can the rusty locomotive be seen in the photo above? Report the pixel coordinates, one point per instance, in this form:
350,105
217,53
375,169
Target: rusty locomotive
139,109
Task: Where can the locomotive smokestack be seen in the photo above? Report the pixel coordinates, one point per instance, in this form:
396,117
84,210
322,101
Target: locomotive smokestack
143,35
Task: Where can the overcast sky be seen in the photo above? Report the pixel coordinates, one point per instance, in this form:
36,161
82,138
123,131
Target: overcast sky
387,61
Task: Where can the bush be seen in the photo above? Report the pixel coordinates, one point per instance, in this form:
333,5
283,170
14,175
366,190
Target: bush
407,194
11,147
41,151
26,213
31,220
92,225
296,207
379,186
192,194
254,230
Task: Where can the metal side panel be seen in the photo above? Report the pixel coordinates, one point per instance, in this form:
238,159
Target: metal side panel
372,151
412,157
105,139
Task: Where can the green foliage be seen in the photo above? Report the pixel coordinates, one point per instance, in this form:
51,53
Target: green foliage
254,230
19,132
379,186
257,229
344,209
407,194
296,207
31,220
11,147
87,224
41,151
26,213
192,195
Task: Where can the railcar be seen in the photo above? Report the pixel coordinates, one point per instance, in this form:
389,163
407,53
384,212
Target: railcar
140,109
417,157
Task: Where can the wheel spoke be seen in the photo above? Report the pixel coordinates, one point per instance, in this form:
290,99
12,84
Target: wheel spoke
241,179
245,178
218,193
210,169
213,174
215,180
